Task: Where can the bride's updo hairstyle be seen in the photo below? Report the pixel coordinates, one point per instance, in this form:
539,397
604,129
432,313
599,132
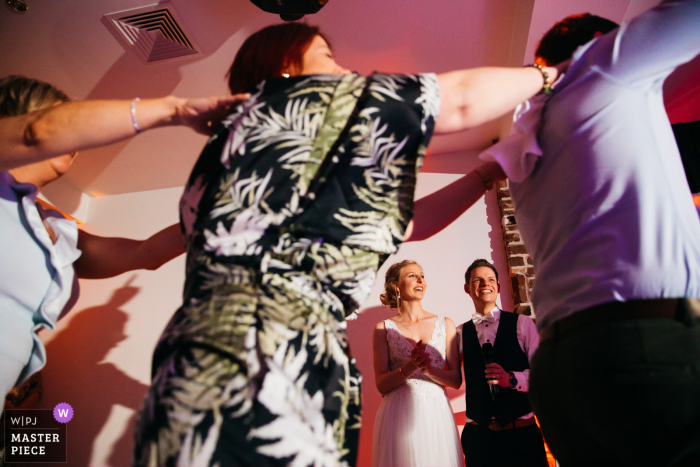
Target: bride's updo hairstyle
391,281
268,53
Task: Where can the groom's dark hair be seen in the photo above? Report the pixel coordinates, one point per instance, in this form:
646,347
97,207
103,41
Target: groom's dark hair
479,263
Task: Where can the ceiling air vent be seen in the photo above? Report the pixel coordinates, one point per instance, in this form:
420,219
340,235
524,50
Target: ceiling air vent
154,33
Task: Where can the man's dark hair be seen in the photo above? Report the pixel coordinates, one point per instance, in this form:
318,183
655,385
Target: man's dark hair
569,34
479,263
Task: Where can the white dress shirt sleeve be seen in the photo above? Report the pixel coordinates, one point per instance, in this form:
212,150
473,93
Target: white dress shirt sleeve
529,340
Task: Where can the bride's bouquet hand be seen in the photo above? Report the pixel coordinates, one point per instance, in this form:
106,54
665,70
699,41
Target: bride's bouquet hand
419,356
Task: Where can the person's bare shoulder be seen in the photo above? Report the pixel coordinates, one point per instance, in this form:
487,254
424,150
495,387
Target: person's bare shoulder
429,316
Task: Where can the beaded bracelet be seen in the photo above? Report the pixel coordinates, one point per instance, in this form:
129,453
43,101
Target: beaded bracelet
133,115
547,86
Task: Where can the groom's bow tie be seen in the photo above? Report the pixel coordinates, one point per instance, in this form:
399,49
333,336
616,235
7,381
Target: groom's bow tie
478,318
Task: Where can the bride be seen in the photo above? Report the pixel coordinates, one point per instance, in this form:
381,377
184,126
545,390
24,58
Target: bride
414,426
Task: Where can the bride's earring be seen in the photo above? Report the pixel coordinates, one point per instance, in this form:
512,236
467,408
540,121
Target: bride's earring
398,298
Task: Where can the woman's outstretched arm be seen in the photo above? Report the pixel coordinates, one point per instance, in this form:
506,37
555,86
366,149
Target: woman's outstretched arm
468,99
478,95
75,126
436,211
104,257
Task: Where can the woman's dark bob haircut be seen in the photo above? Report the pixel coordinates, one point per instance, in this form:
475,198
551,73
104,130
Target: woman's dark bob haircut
270,52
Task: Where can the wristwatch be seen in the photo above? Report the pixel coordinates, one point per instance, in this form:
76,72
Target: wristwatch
513,380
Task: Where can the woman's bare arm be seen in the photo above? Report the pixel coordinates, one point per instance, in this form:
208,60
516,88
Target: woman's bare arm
75,126
478,95
450,376
436,211
104,257
384,379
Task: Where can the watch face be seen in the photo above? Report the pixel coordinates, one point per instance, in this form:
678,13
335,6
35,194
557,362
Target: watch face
513,382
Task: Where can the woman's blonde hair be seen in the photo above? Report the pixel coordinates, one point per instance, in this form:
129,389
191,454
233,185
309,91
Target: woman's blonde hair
391,281
20,95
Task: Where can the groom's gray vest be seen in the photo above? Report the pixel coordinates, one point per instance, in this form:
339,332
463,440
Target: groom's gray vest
510,404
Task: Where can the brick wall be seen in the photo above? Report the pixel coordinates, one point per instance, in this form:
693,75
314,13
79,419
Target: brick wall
522,274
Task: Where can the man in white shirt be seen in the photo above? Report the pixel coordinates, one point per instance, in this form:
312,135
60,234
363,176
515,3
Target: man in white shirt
500,428
606,214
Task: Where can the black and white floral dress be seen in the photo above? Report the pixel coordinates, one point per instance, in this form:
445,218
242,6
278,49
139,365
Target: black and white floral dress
254,368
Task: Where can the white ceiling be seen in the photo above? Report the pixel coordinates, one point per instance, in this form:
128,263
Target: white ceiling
66,43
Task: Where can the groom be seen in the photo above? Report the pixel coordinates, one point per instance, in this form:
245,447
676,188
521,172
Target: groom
500,428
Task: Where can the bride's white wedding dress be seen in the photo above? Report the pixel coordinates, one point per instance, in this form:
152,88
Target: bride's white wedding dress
414,426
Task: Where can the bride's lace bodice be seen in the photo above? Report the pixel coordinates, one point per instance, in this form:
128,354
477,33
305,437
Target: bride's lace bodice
400,353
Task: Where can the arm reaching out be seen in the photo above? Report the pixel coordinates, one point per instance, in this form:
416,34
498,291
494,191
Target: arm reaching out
104,257
478,95
76,126
436,211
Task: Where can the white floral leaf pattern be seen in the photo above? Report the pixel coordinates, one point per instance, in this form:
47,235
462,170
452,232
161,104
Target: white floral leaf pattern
284,239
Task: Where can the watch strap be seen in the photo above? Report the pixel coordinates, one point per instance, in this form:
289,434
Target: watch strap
513,381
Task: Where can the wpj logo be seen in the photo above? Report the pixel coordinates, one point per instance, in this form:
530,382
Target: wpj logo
37,435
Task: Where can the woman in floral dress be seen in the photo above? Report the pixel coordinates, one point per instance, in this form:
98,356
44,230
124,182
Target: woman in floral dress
295,202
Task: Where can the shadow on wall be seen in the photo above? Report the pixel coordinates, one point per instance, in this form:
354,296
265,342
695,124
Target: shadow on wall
76,374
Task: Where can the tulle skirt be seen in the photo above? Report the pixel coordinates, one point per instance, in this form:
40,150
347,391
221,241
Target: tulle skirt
414,427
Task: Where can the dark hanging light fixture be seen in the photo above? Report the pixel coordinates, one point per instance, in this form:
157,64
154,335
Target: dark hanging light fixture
20,6
290,10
